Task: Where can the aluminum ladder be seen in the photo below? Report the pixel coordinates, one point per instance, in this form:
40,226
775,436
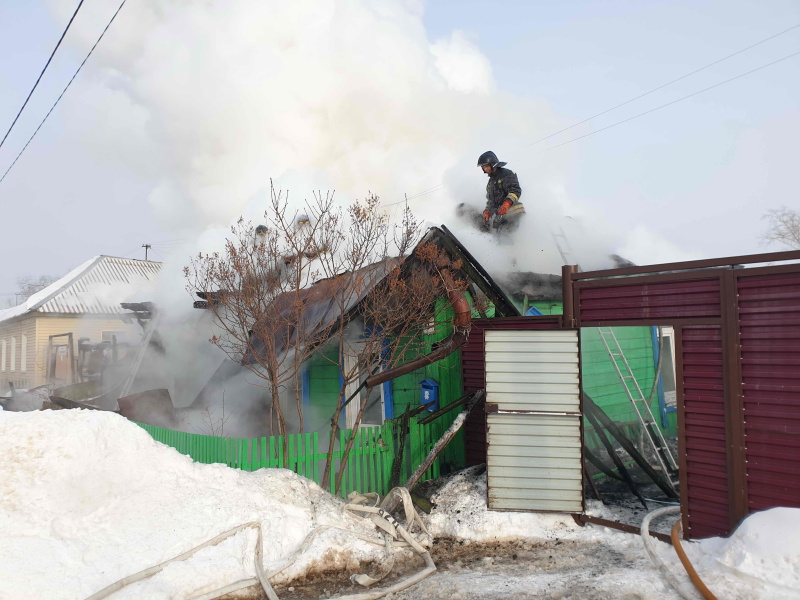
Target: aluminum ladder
649,425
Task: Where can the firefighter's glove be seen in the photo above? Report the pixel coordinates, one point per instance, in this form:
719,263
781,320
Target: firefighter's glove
504,207
486,216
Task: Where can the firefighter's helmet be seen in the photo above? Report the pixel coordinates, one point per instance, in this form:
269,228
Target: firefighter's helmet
490,158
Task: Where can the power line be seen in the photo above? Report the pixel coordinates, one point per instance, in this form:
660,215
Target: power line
65,90
127,254
661,87
47,64
647,112
422,193
161,254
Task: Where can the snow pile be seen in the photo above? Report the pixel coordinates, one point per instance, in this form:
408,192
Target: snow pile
88,498
759,561
765,546
461,513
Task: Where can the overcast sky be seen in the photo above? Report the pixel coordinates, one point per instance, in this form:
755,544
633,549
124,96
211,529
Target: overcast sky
186,109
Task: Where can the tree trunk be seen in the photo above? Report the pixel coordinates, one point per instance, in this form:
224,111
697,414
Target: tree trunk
350,441
326,474
276,406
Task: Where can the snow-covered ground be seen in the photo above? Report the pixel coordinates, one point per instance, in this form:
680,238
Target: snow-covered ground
88,498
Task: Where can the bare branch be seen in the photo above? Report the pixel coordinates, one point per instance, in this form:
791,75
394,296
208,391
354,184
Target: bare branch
783,227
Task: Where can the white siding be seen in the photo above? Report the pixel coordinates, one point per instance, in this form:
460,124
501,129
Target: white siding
534,458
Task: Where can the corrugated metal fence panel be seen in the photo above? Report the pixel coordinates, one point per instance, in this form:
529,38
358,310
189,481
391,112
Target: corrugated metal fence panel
534,463
473,371
533,370
663,300
534,460
706,474
769,321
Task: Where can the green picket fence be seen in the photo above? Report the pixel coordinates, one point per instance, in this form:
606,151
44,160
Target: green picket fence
369,467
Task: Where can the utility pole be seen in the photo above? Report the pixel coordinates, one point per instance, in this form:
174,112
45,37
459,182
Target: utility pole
146,248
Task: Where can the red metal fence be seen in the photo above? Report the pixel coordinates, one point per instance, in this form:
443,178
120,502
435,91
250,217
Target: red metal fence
738,341
769,321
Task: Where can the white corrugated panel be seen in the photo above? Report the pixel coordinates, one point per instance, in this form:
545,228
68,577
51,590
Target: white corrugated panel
534,460
532,370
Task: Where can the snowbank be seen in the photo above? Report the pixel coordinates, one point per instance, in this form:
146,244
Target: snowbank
764,548
88,498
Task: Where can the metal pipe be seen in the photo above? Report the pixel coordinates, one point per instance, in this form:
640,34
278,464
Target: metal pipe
567,294
462,322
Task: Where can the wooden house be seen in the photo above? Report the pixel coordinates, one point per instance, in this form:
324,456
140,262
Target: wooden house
41,339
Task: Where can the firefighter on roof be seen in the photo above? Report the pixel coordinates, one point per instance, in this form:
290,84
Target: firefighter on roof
503,208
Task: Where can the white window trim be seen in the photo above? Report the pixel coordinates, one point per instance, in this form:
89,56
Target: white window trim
23,359
670,397
13,354
2,356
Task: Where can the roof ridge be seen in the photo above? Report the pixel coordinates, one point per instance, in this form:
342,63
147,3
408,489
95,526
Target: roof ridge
129,258
64,286
76,292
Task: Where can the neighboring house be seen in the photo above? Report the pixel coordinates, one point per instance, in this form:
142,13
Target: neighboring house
39,339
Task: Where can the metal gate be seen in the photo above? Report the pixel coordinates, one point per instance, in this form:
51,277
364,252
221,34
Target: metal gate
737,330
533,420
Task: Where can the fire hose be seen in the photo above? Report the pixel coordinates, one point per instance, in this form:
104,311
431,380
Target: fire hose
668,575
358,503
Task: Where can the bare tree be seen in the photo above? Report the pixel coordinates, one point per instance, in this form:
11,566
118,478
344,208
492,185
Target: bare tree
387,327
342,279
255,288
27,286
783,227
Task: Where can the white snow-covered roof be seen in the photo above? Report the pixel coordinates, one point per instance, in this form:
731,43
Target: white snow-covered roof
95,287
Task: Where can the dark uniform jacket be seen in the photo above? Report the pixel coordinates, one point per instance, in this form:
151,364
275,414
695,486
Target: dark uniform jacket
503,183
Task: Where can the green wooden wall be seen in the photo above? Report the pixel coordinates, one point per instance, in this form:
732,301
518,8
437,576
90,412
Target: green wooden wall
324,382
600,379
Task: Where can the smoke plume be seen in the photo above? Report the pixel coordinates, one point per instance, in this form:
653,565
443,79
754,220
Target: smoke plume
207,100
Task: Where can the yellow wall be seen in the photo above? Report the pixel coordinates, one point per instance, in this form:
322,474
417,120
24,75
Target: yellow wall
38,329
9,372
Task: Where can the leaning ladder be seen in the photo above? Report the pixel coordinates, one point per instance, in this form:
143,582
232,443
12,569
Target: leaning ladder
651,429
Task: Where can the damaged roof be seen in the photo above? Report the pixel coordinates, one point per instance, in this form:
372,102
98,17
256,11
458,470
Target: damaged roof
323,304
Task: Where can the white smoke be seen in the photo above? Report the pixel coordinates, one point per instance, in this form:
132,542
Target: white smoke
208,100
216,98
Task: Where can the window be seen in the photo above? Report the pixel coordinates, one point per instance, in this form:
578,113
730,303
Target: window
668,370
3,355
23,350
13,353
107,336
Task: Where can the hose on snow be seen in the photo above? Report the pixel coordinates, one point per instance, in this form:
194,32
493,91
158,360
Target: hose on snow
365,503
648,546
675,534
